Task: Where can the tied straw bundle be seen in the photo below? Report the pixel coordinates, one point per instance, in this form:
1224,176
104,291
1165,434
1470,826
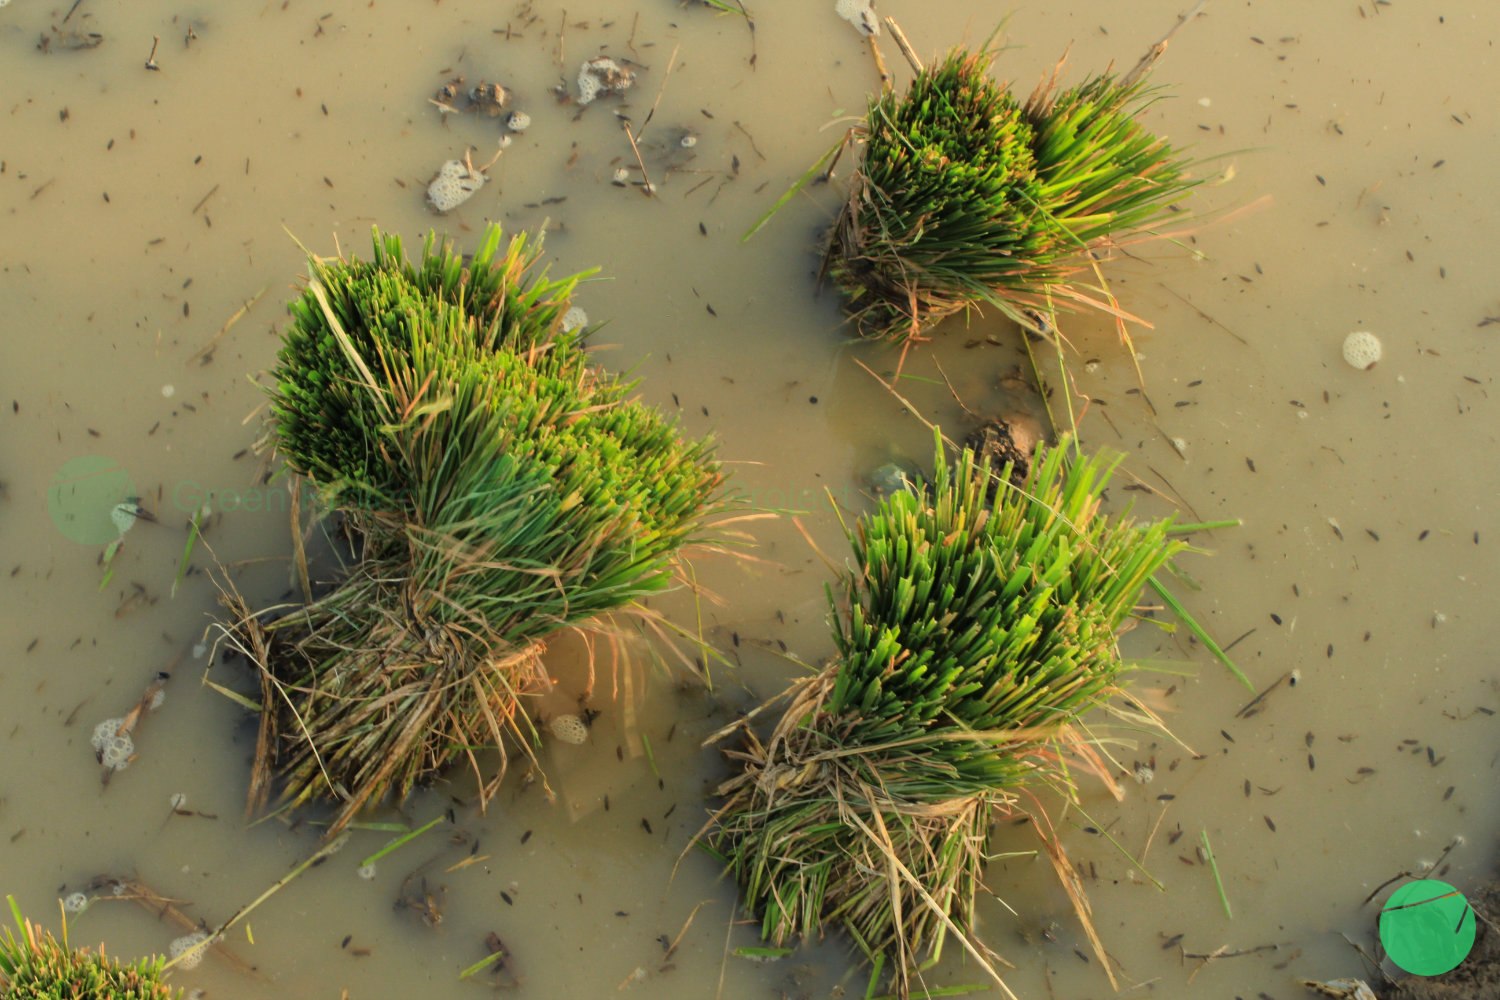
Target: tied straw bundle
970,640
964,196
499,488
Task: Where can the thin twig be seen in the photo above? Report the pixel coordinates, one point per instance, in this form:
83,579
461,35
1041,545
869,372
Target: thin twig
239,314
1260,697
885,74
905,46
1155,52
244,911
1190,304
646,186
1221,953
906,403
686,924
660,90
204,200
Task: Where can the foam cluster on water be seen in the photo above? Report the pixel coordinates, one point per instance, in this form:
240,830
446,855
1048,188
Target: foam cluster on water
123,516
569,729
861,14
1362,349
184,944
574,318
602,75
113,748
75,903
454,185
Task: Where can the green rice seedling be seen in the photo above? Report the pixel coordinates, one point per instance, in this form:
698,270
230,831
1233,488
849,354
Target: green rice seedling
970,638
500,489
963,196
1100,172
36,966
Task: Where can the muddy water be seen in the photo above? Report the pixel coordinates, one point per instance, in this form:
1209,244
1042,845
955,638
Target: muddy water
142,209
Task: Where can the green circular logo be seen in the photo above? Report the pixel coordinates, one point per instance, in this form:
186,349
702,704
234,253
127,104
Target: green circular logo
1427,927
83,496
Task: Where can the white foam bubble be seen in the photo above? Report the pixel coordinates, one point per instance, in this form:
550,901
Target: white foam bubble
602,75
104,732
454,185
183,945
569,729
861,14
1362,349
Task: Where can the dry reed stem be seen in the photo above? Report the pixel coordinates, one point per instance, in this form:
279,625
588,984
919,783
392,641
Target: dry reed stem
136,891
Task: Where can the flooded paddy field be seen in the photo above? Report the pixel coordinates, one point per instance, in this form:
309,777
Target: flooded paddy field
1349,151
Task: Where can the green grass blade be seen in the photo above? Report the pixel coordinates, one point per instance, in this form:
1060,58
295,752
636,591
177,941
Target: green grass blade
400,841
477,966
187,550
1197,630
1214,867
1180,529
791,192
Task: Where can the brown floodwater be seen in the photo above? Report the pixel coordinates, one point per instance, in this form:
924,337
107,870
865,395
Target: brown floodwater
1349,150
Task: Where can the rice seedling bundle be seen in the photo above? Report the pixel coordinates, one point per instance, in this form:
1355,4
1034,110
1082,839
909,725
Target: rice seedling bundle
965,196
969,640
942,207
36,966
501,489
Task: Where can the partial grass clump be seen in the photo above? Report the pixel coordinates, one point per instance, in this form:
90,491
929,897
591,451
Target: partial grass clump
36,966
1099,170
499,489
969,641
360,325
963,196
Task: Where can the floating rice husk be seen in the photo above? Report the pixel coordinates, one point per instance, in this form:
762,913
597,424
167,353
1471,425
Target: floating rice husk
498,488
36,964
970,639
963,196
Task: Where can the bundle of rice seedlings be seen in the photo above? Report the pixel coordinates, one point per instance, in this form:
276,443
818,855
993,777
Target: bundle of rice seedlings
500,488
36,966
963,196
942,211
970,639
